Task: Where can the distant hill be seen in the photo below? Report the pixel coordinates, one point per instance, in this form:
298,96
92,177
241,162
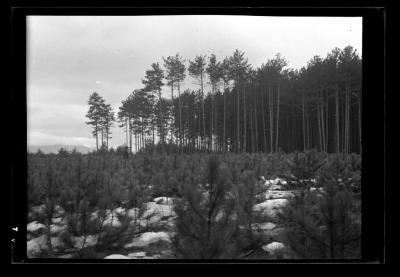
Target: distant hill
56,147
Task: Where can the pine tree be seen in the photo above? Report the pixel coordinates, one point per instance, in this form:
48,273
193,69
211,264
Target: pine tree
325,223
153,82
204,228
197,70
94,114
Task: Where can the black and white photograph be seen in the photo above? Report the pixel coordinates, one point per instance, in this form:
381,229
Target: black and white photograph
194,137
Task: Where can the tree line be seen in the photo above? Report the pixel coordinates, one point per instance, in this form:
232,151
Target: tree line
239,108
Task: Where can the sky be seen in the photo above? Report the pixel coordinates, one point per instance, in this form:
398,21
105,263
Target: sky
69,57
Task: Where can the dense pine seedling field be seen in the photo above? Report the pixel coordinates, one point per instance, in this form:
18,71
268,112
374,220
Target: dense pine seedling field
113,204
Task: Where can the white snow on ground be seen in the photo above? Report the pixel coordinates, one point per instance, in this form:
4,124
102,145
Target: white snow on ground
113,215
116,256
263,226
56,242
148,238
56,229
275,181
58,211
273,247
67,256
91,240
306,180
153,209
278,194
94,215
152,257
316,189
39,209
219,216
270,207
119,210
133,213
58,220
275,187
164,200
137,255
35,246
35,226
111,218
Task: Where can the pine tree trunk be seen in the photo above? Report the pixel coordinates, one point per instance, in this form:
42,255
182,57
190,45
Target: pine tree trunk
224,128
327,122
251,132
348,117
308,130
97,138
161,122
172,98
244,119
142,139
319,126
180,117
343,123
345,120
359,120
263,123
153,127
107,132
130,135
126,131
271,125
304,126
238,125
337,120
102,139
277,121
256,123
216,121
203,111
211,120
322,122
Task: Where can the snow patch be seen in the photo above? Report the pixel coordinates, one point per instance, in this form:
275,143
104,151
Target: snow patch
273,247
137,255
39,209
153,209
263,226
133,213
164,200
117,256
112,219
35,226
36,245
148,238
55,229
278,194
58,220
270,207
90,240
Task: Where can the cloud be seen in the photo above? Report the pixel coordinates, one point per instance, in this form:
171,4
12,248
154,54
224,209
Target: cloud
39,138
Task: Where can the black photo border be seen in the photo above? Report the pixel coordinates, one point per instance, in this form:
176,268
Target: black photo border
375,191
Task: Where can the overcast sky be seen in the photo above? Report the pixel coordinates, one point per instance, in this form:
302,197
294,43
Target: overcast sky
69,57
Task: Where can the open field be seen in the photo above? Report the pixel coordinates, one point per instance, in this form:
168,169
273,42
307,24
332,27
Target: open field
202,206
